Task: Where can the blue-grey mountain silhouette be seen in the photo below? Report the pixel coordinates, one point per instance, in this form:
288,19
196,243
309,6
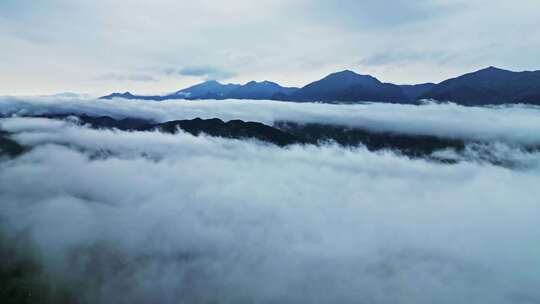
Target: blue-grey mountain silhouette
207,88
348,86
260,90
415,91
488,86
215,90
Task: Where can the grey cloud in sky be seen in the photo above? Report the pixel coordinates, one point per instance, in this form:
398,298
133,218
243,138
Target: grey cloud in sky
59,45
381,15
126,77
206,72
398,58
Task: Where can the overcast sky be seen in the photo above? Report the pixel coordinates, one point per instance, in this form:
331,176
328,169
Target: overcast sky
98,46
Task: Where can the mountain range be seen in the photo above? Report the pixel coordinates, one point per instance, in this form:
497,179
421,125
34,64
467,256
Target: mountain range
489,86
214,90
281,133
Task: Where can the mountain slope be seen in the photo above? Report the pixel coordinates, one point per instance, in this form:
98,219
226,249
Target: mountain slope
128,95
214,90
259,90
281,133
414,91
489,86
484,87
347,86
206,89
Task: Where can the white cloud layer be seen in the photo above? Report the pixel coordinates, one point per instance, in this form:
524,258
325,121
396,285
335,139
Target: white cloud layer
141,217
510,124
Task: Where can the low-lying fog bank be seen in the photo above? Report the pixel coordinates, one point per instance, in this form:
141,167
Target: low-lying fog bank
109,216
513,124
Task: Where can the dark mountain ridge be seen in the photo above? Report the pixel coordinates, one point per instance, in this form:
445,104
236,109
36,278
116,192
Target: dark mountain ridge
415,91
286,133
129,95
259,90
281,134
208,88
9,146
215,90
348,86
490,86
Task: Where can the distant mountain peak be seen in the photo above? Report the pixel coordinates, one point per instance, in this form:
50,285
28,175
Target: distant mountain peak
209,88
212,81
349,75
344,73
494,68
349,86
128,95
490,85
121,95
347,71
262,83
259,82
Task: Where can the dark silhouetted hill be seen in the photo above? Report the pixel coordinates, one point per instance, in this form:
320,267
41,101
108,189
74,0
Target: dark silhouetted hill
484,87
215,90
8,146
282,133
347,86
259,90
212,89
489,86
415,91
128,95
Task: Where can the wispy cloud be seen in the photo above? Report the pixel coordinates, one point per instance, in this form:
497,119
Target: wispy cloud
211,73
177,217
444,120
126,77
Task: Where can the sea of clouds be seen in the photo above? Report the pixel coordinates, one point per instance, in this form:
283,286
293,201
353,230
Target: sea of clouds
516,124
146,217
